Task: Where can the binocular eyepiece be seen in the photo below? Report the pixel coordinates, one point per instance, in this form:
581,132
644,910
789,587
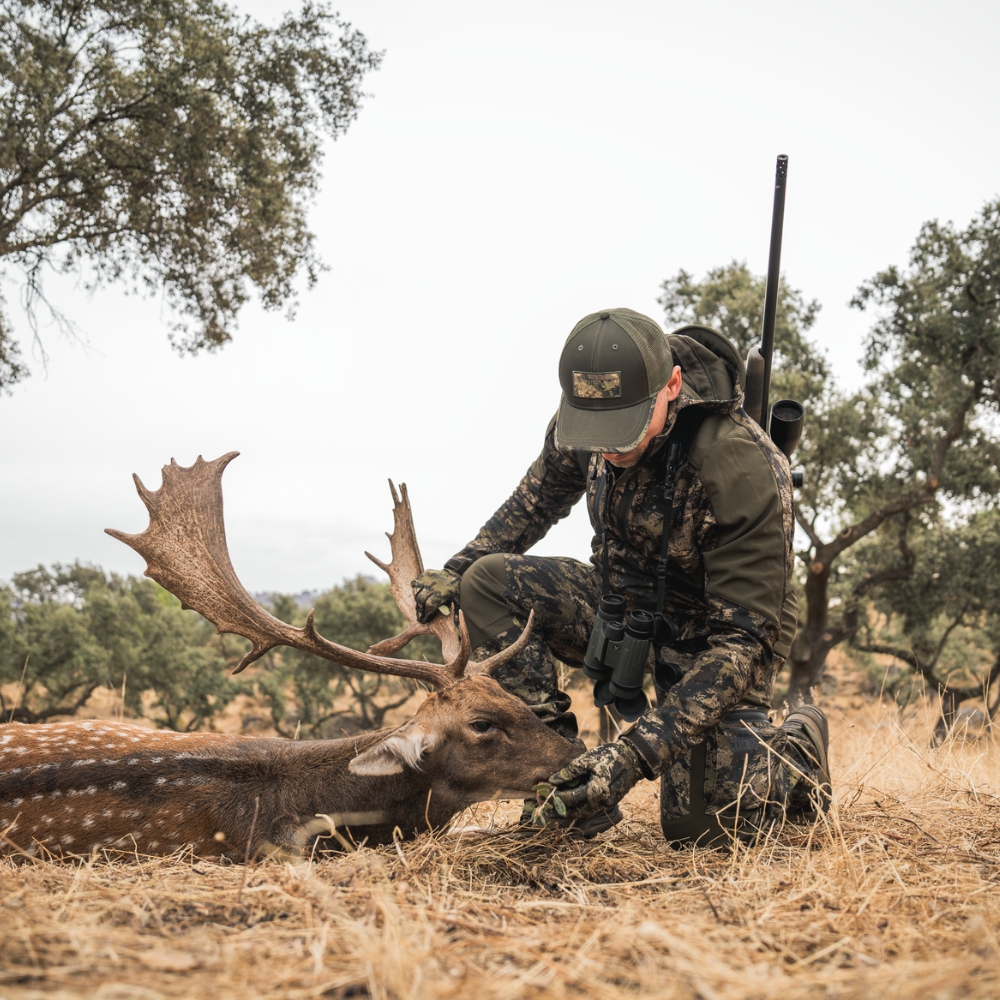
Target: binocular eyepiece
616,656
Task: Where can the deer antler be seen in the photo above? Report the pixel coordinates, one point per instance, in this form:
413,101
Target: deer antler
186,553
406,566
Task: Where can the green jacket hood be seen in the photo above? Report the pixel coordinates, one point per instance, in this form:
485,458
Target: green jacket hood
711,367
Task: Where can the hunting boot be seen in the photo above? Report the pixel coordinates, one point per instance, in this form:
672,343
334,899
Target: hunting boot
817,792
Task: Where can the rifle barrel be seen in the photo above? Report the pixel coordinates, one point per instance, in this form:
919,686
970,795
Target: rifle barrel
771,292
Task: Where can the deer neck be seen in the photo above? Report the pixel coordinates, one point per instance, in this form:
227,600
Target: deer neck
412,797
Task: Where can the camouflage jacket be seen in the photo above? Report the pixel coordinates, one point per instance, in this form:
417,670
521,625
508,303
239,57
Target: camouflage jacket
730,558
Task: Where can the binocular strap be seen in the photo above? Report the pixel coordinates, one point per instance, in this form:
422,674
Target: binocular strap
664,632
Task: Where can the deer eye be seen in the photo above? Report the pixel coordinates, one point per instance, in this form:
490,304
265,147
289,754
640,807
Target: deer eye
481,726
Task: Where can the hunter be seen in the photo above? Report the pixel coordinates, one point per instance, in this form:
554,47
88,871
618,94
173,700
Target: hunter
724,582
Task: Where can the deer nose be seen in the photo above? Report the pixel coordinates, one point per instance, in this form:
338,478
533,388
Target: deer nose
541,775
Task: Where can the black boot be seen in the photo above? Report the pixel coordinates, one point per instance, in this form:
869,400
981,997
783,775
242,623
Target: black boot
811,722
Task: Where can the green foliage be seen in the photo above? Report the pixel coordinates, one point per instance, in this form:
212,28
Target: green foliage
943,619
357,614
171,143
934,355
731,300
916,449
71,630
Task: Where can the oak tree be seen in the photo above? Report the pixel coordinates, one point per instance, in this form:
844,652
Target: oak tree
172,144
919,442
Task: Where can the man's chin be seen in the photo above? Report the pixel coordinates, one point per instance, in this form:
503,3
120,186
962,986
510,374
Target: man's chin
622,461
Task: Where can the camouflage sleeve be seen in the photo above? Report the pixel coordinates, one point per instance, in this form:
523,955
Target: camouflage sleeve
549,489
739,655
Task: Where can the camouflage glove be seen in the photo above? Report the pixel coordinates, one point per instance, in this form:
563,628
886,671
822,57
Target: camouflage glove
433,589
596,781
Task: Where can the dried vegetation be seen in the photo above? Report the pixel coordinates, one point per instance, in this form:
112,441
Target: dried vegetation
896,895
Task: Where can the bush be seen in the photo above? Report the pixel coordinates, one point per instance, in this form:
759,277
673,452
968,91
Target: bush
70,630
302,690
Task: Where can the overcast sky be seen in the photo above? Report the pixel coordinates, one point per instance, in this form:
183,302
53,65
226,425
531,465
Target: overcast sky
517,166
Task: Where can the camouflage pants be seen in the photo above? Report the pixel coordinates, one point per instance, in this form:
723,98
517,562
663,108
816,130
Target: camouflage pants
744,778
499,591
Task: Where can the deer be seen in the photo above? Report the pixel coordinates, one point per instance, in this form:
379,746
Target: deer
82,786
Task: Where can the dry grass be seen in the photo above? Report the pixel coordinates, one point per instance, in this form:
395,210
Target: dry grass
896,895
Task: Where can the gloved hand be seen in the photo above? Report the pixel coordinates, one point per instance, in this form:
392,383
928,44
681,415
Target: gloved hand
595,782
433,589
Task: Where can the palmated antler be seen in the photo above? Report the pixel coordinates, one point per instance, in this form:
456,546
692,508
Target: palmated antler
186,553
405,567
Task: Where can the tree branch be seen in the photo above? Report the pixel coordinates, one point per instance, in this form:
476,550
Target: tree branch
807,528
959,618
899,652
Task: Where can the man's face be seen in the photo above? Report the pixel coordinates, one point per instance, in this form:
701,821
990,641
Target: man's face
659,419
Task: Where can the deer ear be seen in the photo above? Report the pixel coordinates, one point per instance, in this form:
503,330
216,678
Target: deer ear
404,748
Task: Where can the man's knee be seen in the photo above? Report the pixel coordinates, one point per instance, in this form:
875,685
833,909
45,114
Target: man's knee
481,599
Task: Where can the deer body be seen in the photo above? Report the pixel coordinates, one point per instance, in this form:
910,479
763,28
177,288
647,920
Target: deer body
76,787
73,787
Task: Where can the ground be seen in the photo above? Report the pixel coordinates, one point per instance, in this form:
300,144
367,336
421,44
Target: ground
896,894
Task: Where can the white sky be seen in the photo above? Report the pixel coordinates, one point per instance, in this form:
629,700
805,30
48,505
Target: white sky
518,165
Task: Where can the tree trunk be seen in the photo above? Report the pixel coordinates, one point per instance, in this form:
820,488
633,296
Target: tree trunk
950,701
813,639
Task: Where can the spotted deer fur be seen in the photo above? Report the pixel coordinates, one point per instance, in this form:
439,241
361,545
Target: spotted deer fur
78,787
83,786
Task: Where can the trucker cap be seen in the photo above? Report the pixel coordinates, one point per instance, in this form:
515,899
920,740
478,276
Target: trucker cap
613,365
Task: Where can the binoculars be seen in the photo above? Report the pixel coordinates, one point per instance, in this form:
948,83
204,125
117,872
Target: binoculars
616,657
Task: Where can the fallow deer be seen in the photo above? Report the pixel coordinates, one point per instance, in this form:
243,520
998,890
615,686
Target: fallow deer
79,786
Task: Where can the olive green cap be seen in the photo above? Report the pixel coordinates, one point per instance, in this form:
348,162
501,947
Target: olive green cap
611,369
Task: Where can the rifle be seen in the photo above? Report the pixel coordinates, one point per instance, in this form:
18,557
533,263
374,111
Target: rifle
782,421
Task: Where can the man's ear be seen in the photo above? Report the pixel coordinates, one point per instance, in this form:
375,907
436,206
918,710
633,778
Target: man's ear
404,748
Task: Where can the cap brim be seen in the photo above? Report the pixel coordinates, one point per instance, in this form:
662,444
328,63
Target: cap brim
603,430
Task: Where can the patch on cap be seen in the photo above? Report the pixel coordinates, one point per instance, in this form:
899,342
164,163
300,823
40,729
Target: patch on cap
597,385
